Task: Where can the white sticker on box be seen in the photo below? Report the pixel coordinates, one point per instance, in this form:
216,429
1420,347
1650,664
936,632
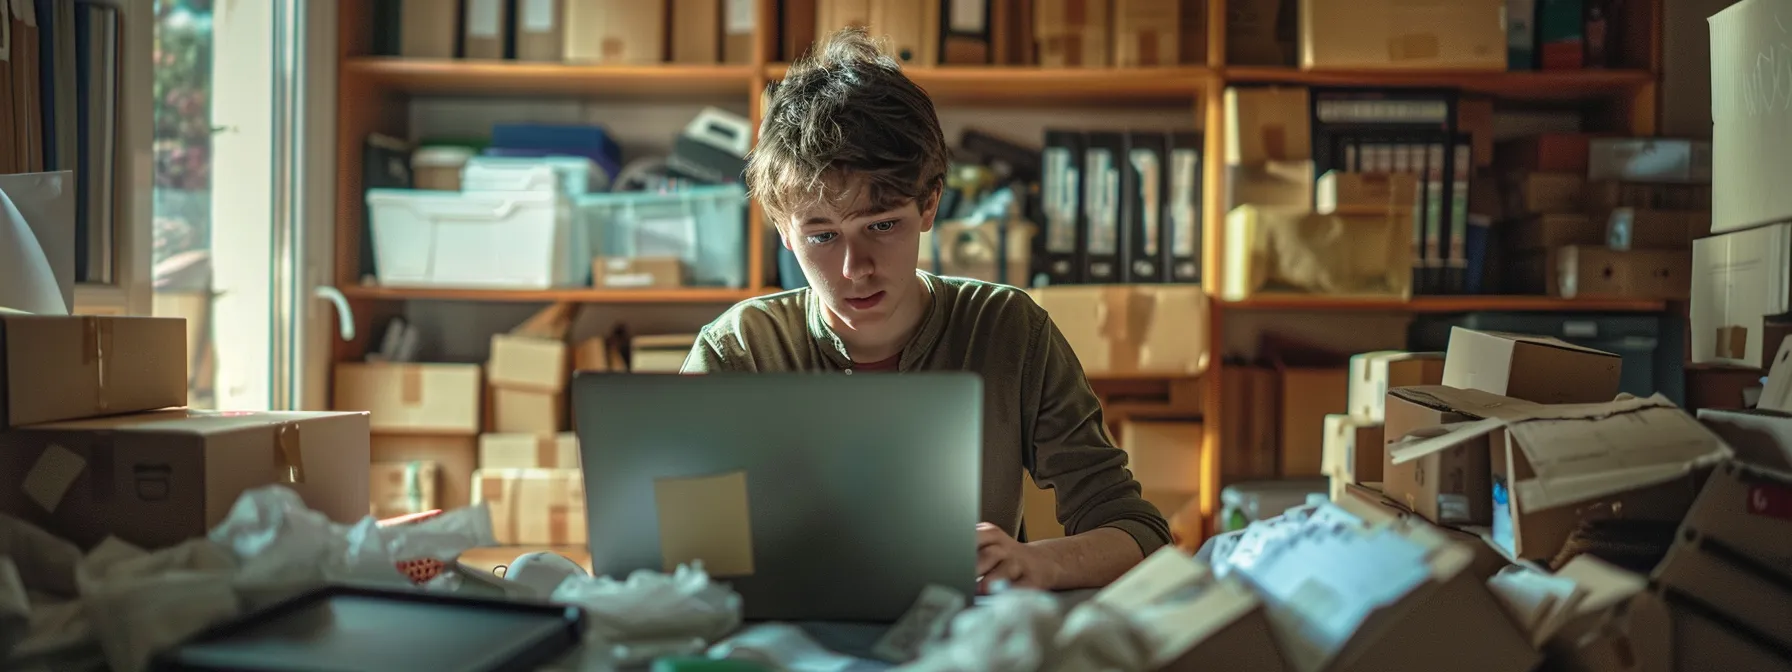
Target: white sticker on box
1452,509
56,469
483,17
741,17
538,16
967,16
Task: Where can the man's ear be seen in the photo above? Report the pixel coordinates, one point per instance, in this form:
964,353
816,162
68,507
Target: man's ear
930,208
783,239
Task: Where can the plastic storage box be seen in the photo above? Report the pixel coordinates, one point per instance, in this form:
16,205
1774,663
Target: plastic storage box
706,227
1651,345
570,175
514,240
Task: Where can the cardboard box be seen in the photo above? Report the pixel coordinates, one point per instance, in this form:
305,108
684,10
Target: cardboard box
1224,626
1403,34
1283,250
1533,368
1749,147
1366,193
534,506
1253,35
660,353
1760,437
527,363
740,23
541,30
1353,453
637,272
1738,279
1072,33
1546,232
615,31
1163,456
1545,153
1284,185
1308,395
1546,193
1373,374
1730,556
455,457
1669,160
527,411
1611,194
1556,467
71,367
1586,272
529,451
910,29
158,479
1449,485
1348,599
412,398
1422,407
1147,33
1267,124
597,354
696,33
1723,387
1131,329
487,29
400,488
1646,229
1590,615
1366,501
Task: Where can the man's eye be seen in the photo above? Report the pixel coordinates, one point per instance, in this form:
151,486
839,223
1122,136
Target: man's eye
884,226
818,238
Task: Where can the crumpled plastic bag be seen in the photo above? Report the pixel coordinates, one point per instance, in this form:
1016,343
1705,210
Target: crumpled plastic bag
1014,632
1097,637
45,562
15,606
651,606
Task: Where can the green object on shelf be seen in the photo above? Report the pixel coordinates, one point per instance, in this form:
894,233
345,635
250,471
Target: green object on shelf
693,664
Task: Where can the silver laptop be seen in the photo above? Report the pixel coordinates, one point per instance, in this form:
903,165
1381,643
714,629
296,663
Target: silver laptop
816,497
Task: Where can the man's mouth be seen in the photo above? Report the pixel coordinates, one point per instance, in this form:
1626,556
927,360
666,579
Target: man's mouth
865,302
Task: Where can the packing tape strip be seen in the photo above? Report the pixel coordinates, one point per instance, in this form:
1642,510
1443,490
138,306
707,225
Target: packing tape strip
96,351
411,385
289,455
547,451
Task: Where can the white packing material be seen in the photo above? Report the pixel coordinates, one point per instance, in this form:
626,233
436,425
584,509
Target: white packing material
653,606
1011,633
782,646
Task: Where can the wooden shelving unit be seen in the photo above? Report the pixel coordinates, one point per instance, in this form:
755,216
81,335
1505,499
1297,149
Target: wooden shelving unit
374,93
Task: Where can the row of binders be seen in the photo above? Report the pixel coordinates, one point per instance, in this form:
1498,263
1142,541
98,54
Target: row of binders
1120,207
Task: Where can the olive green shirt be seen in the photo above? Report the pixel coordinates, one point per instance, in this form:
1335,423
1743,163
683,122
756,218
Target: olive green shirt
1039,413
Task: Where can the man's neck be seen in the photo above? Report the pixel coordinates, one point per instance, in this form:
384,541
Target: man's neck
888,340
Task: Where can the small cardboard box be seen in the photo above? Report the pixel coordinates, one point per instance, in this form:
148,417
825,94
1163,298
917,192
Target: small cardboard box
1147,33
1163,456
1533,368
1403,34
1072,33
1366,193
1546,193
1557,466
1446,484
1308,395
62,367
455,457
534,506
1224,626
1272,184
1268,124
517,411
637,272
660,353
529,451
1590,272
412,398
528,363
1131,329
1732,550
1372,374
400,488
158,479
615,32
696,32
1354,451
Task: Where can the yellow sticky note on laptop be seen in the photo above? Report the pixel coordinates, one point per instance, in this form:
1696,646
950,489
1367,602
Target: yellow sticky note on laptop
706,518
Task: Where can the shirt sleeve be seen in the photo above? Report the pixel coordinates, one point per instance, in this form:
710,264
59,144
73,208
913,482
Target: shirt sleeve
1074,456
704,357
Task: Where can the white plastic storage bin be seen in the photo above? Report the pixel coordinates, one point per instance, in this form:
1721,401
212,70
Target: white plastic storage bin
570,175
489,239
706,227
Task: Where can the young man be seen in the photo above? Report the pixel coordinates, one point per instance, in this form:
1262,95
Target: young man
849,166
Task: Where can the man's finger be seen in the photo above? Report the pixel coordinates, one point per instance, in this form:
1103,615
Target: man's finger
988,557
988,535
1007,570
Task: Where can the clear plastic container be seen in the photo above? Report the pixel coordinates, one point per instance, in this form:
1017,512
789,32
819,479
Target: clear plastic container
706,227
570,175
518,240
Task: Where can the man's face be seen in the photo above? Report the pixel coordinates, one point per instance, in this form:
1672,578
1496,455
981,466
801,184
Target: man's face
860,260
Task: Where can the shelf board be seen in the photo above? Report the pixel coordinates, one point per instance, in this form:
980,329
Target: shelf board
713,295
1562,85
1026,85
453,76
1442,304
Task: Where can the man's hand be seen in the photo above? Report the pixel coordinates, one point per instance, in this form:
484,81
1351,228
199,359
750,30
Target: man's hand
1001,558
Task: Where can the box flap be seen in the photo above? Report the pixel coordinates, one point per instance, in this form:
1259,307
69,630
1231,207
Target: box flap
1546,341
1583,451
1177,627
1429,440
190,421
1475,403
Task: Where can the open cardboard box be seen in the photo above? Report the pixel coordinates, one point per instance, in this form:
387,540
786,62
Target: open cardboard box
1534,368
1730,560
1189,620
1448,484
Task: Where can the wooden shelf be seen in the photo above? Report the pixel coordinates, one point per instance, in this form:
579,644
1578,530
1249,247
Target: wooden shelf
1563,85
450,76
715,295
1020,86
1443,304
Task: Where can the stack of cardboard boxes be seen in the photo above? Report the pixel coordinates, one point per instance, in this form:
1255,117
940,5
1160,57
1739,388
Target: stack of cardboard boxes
1352,452
95,440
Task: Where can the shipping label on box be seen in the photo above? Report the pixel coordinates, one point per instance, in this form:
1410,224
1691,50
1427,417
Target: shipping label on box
69,367
158,479
529,451
415,398
1533,368
455,457
400,488
534,506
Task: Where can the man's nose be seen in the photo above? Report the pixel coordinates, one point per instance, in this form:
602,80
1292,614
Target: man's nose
858,264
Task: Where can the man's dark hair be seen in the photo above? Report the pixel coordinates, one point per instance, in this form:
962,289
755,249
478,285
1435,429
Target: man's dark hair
847,112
